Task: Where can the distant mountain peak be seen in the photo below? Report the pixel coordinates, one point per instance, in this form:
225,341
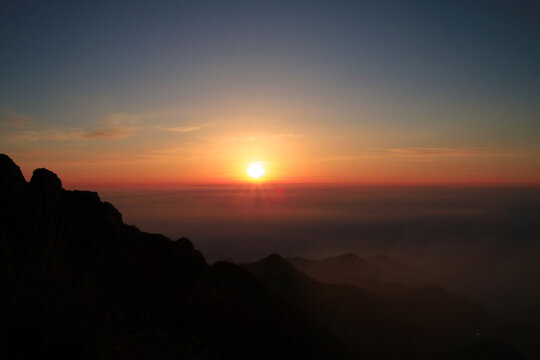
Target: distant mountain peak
385,258
343,258
348,257
273,264
274,260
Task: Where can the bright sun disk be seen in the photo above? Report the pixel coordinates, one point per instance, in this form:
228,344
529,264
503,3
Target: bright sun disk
255,170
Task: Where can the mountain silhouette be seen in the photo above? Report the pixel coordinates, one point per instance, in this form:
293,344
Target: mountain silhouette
372,272
78,283
378,321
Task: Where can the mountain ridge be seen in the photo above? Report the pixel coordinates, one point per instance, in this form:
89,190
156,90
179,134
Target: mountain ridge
79,283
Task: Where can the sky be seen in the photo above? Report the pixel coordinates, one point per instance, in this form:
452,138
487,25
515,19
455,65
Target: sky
172,92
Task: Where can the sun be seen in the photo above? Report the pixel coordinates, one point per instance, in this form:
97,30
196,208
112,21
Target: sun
255,170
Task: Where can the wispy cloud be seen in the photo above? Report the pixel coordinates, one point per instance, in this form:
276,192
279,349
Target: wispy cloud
275,136
422,152
14,120
111,133
36,135
69,134
112,126
446,152
184,128
181,129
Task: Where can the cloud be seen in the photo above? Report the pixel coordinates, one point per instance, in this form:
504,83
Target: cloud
13,120
36,135
184,129
181,129
422,152
112,126
69,134
445,152
112,133
264,137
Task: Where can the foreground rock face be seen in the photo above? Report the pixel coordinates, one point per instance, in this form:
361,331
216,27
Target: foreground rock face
78,283
10,174
44,180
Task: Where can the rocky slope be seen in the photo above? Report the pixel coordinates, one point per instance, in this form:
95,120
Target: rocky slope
78,283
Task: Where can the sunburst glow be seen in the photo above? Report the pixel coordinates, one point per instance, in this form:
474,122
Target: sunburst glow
255,170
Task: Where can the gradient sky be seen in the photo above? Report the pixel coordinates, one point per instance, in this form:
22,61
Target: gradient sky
151,92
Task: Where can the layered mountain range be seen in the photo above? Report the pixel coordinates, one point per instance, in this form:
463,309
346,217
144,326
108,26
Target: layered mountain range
76,282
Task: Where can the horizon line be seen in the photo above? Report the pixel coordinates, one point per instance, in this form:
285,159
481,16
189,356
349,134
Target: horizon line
154,185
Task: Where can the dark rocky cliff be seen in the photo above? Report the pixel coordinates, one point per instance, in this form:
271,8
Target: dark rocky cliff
79,283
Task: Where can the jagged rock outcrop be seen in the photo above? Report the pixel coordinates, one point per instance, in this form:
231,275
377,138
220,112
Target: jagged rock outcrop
44,180
10,174
12,186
